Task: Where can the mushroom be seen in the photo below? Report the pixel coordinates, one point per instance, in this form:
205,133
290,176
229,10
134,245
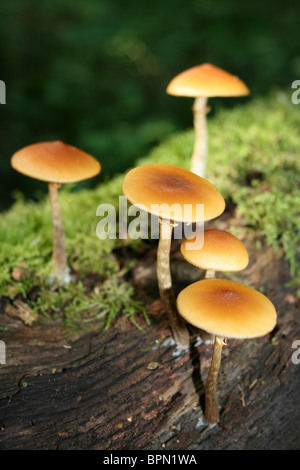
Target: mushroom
226,309
56,163
166,191
218,251
202,82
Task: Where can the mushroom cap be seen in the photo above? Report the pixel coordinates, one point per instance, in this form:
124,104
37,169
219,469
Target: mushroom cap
218,251
164,190
55,162
227,309
206,80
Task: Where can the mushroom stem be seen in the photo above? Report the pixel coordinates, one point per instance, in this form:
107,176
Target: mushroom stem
208,337
211,400
210,274
179,328
59,257
199,157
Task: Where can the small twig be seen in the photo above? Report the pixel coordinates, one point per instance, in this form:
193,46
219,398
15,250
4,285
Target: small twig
252,385
242,396
23,312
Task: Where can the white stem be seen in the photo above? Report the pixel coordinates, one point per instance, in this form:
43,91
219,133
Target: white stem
199,157
59,257
210,274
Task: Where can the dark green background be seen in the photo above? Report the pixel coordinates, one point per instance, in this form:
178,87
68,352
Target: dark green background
93,73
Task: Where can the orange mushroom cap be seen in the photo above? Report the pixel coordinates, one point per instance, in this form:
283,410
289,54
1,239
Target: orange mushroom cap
206,80
227,309
218,251
164,190
55,162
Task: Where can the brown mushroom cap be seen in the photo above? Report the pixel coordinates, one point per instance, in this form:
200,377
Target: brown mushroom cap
207,80
227,309
221,251
169,185
55,162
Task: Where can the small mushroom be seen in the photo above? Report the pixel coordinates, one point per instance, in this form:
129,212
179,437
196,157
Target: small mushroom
164,191
202,82
226,309
56,163
217,251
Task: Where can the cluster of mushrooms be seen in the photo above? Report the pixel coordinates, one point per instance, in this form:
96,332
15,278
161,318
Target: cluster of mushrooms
222,308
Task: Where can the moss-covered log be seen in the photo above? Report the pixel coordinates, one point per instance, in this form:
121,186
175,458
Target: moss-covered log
124,389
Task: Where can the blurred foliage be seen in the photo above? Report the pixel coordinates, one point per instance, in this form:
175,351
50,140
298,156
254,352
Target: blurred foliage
94,73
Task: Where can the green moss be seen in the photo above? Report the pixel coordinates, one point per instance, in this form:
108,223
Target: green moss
78,309
26,244
253,160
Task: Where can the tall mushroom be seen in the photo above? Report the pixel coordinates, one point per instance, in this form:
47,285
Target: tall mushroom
202,82
166,191
56,163
226,309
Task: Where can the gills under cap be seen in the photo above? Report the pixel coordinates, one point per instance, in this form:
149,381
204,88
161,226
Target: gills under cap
217,250
55,162
207,80
227,309
157,187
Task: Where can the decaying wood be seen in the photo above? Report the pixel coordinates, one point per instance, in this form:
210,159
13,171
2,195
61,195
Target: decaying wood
124,389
